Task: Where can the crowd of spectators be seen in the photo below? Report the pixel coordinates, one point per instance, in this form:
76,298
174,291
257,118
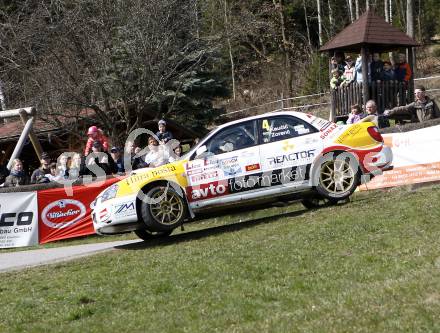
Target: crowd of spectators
346,71
97,158
422,109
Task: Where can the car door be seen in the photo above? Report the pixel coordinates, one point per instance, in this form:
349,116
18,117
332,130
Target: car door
229,154
288,147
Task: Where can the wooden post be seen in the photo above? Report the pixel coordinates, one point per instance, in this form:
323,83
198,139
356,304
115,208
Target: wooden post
411,62
333,100
365,90
34,140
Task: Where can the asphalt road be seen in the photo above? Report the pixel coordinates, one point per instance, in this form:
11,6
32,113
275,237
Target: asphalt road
24,259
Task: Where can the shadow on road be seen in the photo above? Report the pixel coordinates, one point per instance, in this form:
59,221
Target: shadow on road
193,235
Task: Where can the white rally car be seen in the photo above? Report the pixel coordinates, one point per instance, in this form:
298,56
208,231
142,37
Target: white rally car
266,157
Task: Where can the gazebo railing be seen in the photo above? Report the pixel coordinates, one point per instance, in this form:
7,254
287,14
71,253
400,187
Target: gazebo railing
387,94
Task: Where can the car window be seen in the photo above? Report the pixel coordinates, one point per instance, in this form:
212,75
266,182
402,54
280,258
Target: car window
233,138
283,127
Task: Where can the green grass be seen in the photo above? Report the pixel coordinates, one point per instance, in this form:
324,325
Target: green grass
372,265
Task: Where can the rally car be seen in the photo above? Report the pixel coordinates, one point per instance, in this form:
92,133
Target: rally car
248,161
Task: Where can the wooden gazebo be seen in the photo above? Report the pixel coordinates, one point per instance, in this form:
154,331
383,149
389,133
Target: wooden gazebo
370,33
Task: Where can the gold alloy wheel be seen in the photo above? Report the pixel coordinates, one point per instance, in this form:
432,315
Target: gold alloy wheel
337,176
169,209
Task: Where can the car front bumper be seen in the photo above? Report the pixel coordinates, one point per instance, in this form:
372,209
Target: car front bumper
115,216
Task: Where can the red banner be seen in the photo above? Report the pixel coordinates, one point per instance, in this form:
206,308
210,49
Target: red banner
62,216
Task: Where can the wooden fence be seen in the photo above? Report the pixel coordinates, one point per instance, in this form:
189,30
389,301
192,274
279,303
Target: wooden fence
387,94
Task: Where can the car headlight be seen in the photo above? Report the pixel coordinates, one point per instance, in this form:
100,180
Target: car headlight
109,193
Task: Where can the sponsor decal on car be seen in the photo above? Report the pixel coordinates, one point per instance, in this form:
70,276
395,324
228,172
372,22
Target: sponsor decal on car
292,157
207,191
204,176
301,129
196,164
287,146
194,172
104,215
352,131
253,167
327,130
274,178
230,166
124,209
163,170
63,213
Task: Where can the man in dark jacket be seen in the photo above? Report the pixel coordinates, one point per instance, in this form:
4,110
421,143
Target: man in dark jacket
101,159
376,68
39,175
422,109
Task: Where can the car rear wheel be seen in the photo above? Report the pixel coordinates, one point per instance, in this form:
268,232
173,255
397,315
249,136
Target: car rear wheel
337,176
164,210
149,235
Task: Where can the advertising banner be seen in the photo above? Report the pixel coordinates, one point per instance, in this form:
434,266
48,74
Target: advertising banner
62,216
18,219
416,159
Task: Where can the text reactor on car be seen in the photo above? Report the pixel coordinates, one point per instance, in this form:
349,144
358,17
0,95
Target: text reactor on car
266,157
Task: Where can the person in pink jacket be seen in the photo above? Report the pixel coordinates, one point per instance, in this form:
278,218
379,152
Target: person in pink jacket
95,134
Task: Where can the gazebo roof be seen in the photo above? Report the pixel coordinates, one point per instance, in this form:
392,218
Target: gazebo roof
372,31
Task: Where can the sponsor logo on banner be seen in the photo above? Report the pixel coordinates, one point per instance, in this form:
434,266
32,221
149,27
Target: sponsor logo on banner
125,209
327,130
292,157
18,219
63,213
205,176
230,166
207,191
253,167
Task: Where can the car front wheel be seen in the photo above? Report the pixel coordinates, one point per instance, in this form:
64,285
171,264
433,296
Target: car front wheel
163,209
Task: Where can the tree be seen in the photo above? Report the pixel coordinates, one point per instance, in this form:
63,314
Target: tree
116,57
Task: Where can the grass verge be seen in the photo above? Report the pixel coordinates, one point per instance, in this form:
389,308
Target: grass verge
372,265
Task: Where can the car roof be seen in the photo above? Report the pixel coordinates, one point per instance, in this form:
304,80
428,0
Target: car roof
301,115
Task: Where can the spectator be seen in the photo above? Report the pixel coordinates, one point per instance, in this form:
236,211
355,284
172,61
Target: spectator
356,114
349,71
163,135
4,172
77,167
336,80
177,152
153,158
376,68
388,72
340,63
358,70
402,70
115,152
63,166
372,115
95,134
101,159
39,175
53,175
17,177
422,109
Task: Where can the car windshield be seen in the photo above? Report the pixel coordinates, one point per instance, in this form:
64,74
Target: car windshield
194,148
